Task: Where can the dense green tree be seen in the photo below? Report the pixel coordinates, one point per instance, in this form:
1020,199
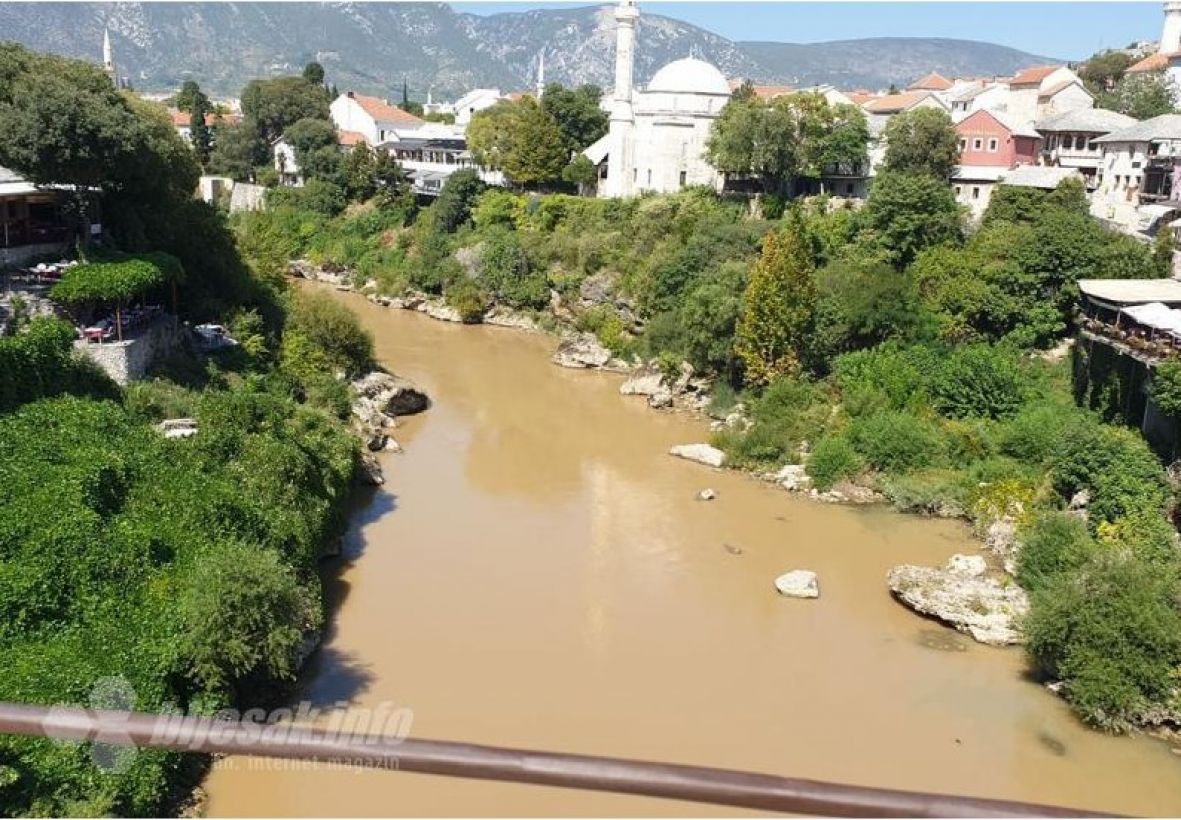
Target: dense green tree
910,212
522,139
1142,96
577,113
778,307
453,208
275,104
190,97
582,172
314,142
1103,70
490,134
199,132
922,141
313,73
238,149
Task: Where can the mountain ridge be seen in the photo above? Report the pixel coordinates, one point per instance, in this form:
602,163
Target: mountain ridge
375,47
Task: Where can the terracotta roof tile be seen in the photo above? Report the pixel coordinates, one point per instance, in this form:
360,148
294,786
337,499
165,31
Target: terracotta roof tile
1033,75
892,103
183,119
861,97
932,82
1154,62
382,111
350,138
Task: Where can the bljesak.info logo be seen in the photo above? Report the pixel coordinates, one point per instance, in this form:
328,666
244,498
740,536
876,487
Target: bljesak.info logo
113,749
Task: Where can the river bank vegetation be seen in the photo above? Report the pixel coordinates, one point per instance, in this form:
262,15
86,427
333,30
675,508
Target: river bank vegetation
893,346
139,571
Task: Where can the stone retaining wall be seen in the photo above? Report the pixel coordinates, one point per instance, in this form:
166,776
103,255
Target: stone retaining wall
129,360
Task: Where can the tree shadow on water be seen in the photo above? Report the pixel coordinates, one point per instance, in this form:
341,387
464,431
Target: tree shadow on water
334,676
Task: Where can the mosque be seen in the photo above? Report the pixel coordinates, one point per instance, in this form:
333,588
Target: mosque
656,141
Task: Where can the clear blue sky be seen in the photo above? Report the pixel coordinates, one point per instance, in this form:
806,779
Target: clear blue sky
1058,29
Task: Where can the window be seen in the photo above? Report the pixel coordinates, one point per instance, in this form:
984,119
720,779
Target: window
849,188
649,177
975,192
958,190
963,143
684,176
1080,142
992,145
977,144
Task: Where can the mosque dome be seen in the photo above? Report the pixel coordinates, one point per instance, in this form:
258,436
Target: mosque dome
690,75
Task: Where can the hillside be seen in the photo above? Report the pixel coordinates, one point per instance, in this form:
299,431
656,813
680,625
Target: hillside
373,47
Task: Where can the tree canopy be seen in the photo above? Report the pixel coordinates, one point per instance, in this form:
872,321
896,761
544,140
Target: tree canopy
1142,96
114,281
577,113
522,139
922,141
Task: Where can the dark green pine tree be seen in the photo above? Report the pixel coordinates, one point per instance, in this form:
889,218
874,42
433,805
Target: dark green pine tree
199,132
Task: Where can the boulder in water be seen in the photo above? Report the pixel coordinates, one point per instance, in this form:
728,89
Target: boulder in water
707,494
701,453
799,583
963,596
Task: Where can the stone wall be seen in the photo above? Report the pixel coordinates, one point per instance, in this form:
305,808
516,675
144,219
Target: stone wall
129,360
247,197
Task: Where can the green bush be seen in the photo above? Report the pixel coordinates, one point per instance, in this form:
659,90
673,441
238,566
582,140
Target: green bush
832,459
1052,544
896,442
932,491
466,296
505,270
1114,465
884,378
1034,435
333,330
978,380
1111,632
1166,388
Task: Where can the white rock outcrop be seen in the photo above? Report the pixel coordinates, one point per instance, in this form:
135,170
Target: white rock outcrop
793,477
962,595
799,583
581,350
701,453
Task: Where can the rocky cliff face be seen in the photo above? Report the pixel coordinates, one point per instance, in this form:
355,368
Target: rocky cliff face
373,47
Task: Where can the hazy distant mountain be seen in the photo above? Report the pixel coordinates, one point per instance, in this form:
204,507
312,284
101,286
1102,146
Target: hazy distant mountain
374,47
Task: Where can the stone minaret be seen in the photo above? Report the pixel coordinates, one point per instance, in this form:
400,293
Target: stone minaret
1170,39
621,136
540,74
109,58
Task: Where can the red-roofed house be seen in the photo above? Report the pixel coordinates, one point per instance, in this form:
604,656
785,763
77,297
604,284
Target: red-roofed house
1045,91
906,101
182,121
373,118
932,82
990,145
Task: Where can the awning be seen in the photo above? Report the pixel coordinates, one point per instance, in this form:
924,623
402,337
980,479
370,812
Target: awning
1157,316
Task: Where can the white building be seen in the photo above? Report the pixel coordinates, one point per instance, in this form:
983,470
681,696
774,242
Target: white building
1069,139
1137,177
474,101
657,137
373,118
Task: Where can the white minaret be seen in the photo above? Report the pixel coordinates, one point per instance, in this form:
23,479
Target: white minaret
621,136
1170,39
109,57
541,74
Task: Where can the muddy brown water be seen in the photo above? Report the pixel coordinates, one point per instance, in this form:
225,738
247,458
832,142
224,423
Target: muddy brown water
537,573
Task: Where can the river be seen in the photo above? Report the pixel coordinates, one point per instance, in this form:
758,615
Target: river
537,573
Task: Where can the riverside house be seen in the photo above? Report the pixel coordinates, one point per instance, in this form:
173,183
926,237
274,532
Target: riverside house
31,221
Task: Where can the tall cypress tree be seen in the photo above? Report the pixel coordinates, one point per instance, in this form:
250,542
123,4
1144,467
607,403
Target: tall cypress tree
779,306
199,131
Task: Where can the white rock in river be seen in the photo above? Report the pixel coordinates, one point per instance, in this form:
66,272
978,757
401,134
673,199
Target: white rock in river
985,608
793,477
970,565
799,583
701,453
646,381
707,495
581,350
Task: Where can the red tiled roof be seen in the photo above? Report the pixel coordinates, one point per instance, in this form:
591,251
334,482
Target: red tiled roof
861,97
892,103
932,82
770,92
1154,62
382,111
350,138
183,119
1056,87
1034,75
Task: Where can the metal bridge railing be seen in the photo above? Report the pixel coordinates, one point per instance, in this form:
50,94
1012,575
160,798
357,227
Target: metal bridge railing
700,784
